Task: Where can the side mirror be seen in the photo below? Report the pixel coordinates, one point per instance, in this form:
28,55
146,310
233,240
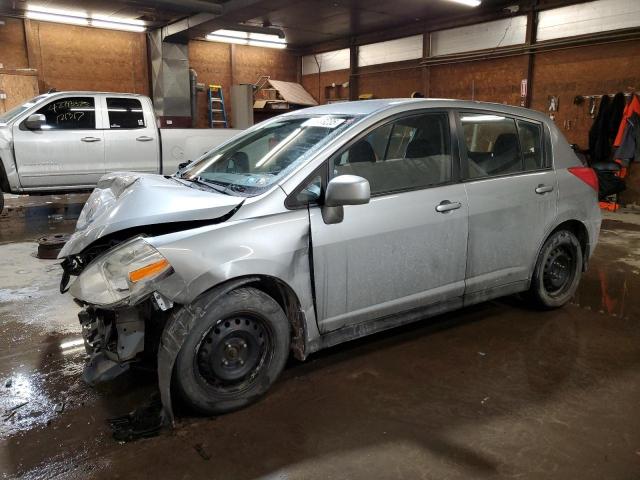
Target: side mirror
35,121
344,190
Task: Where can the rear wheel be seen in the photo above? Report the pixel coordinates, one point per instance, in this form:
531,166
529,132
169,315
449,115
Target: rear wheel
558,270
234,352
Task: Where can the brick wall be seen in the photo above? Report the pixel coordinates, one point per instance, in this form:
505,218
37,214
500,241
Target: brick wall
212,62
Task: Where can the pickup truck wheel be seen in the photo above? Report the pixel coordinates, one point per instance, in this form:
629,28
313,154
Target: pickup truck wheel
557,272
234,352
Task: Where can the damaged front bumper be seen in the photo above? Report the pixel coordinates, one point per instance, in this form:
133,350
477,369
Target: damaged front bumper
112,339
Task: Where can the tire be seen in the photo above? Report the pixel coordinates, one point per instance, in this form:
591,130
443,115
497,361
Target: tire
1,201
234,352
557,272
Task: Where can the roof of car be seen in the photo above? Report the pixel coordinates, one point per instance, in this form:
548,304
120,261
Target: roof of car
367,107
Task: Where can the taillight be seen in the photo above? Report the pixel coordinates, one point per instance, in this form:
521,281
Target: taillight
587,175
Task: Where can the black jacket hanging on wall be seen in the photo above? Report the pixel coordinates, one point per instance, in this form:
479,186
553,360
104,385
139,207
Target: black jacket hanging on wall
616,109
599,133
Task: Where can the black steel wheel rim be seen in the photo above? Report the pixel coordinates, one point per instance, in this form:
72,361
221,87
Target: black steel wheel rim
559,270
234,352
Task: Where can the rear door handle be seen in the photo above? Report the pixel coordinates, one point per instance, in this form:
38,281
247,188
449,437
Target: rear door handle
90,139
446,206
144,138
542,189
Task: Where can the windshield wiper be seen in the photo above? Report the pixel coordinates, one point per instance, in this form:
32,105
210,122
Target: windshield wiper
216,186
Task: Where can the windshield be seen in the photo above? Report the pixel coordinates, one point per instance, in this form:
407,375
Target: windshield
253,162
15,111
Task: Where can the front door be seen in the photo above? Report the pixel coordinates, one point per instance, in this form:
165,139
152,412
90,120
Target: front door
407,247
69,149
512,193
131,139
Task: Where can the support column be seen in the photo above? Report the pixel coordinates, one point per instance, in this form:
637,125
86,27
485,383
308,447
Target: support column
426,70
353,72
34,54
530,39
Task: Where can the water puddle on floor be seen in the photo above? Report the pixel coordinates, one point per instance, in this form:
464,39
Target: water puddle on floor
27,218
613,277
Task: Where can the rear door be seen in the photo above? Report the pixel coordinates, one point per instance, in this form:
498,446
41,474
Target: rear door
69,149
131,137
407,247
512,192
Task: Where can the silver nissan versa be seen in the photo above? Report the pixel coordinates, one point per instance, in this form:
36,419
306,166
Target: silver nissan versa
321,226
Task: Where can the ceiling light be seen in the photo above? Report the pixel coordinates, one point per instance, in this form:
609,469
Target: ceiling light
468,3
247,38
117,26
79,17
51,17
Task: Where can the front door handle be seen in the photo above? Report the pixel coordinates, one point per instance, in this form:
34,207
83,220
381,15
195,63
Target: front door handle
446,206
542,189
144,138
90,139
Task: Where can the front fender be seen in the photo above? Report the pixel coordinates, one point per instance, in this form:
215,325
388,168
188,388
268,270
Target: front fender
9,178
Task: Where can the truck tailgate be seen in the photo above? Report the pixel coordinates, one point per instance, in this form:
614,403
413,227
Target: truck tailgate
183,144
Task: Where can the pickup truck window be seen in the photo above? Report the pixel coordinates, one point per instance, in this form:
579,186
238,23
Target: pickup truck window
254,161
125,113
17,110
70,113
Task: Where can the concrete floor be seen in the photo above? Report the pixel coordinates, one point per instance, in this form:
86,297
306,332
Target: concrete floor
493,391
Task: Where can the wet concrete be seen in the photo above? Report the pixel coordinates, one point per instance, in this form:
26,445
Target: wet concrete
493,391
27,218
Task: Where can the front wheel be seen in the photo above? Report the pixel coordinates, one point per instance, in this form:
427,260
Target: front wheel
234,352
557,271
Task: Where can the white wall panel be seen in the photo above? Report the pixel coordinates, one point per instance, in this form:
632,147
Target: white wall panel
498,33
336,60
408,48
591,17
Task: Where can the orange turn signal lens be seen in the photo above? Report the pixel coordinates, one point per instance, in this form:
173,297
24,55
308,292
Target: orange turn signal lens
148,271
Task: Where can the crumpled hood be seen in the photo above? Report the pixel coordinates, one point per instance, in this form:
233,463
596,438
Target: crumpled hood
125,200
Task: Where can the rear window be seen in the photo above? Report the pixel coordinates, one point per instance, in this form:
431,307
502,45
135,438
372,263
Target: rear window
125,113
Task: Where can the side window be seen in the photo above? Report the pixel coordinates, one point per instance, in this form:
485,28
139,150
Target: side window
71,113
531,144
310,192
416,154
492,144
125,113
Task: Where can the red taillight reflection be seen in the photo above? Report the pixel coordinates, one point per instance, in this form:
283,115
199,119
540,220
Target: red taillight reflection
587,175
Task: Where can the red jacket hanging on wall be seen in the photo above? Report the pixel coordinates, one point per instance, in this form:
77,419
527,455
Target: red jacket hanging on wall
633,107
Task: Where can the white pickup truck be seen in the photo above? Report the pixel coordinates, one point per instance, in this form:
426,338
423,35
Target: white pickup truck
66,141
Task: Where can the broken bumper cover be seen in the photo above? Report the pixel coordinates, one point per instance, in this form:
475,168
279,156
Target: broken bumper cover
112,340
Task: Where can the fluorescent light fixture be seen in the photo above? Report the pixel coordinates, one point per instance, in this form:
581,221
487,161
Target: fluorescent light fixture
468,3
117,26
220,38
247,38
259,43
50,17
80,17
